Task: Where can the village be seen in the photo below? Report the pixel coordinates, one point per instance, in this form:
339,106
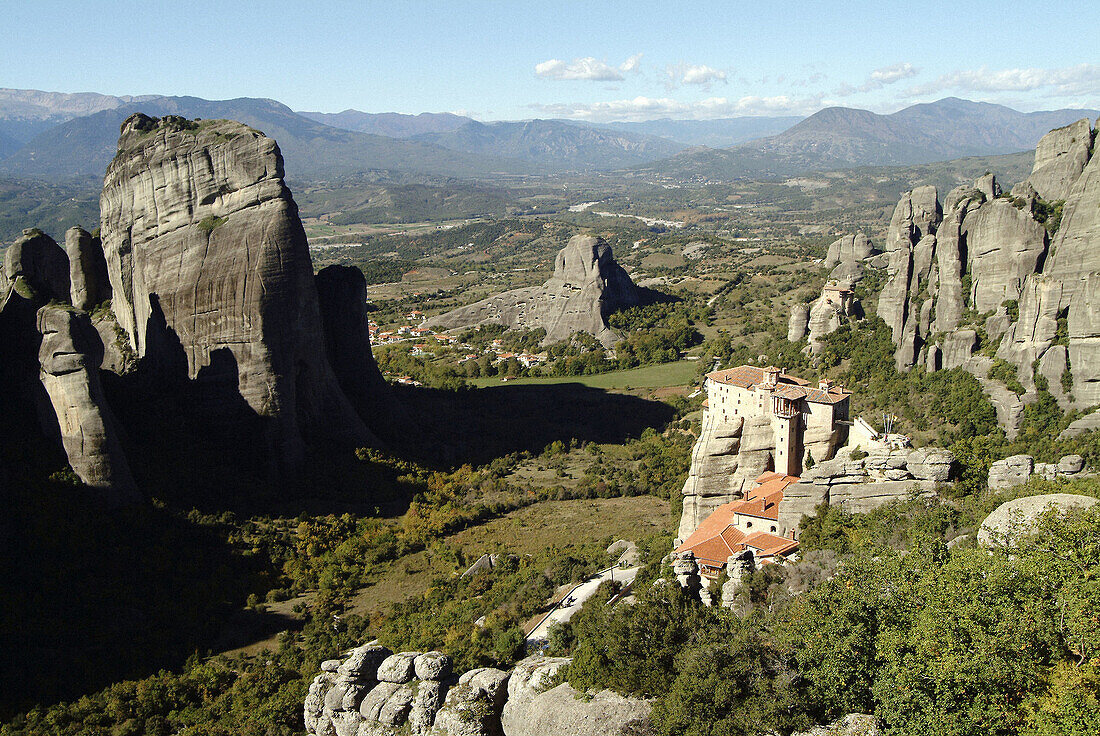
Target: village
424,341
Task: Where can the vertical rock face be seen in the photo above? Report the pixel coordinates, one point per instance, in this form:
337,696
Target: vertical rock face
89,283
1059,160
207,258
849,248
1006,246
70,355
800,319
997,271
342,292
726,459
587,286
34,260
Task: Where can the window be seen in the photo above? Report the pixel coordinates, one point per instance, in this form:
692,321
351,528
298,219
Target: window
748,525
773,530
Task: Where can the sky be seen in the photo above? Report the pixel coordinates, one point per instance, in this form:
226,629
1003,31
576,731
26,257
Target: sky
598,60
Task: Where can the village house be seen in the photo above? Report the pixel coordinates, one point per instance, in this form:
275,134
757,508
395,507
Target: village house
794,405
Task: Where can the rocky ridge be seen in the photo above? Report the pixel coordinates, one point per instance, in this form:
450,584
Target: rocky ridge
987,274
587,286
375,692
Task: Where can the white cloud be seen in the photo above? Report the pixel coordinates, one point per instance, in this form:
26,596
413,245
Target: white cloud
1082,79
895,73
631,64
645,108
878,79
587,68
700,74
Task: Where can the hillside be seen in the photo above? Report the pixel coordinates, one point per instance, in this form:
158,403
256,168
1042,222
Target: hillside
555,145
85,145
390,124
718,133
840,137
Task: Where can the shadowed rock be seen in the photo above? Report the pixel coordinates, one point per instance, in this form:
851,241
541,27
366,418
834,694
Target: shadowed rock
34,260
89,283
196,219
70,355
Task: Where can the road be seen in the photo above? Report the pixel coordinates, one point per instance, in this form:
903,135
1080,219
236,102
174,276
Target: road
576,597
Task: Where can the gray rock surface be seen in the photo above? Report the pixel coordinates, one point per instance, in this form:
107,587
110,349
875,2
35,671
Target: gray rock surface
205,247
89,283
848,249
70,355
1006,245
536,709
1011,471
587,286
1070,464
799,321
36,260
432,666
473,706
399,668
1060,158
1013,520
853,724
957,347
930,463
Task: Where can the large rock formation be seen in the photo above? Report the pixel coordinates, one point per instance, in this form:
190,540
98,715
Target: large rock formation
587,286
1014,520
725,461
208,259
538,707
70,357
991,267
214,310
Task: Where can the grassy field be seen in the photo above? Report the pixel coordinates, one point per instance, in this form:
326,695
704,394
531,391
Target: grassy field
527,530
680,373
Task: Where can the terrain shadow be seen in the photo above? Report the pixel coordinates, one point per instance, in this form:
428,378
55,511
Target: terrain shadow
477,426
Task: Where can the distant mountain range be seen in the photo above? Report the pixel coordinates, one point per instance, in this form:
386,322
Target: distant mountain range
555,145
390,124
718,133
57,137
840,137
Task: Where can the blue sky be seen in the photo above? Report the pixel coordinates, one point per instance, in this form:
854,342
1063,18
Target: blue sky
595,60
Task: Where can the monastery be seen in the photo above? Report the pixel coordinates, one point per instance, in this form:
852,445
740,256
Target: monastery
795,407
800,414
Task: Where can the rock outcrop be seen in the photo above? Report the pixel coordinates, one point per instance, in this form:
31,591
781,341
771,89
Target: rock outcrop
538,707
725,461
89,283
991,266
70,357
853,724
36,264
1018,469
849,249
208,259
1014,520
587,286
374,692
859,484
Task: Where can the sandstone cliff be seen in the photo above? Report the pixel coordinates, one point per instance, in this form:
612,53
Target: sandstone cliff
587,286
992,268
210,271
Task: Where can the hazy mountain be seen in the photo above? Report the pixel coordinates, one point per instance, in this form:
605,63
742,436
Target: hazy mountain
24,113
8,145
840,137
712,133
85,145
391,124
555,144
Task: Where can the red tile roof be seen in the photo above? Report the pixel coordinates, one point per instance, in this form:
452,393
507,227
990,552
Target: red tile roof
717,538
789,387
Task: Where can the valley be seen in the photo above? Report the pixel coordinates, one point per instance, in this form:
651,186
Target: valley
272,414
